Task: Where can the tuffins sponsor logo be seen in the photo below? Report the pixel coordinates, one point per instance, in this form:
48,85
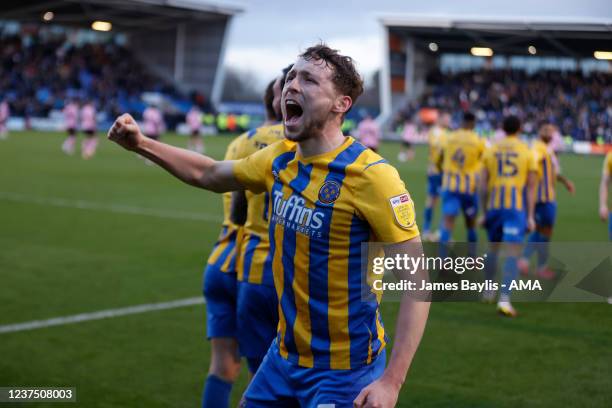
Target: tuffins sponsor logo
292,213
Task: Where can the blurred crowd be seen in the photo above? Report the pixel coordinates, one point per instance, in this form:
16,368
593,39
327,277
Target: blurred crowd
579,105
40,73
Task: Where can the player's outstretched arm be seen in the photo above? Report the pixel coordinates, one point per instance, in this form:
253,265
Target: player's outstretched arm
192,168
410,325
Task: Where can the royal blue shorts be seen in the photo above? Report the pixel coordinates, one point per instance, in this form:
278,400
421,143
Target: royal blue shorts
506,225
434,184
257,319
280,383
545,214
453,203
220,292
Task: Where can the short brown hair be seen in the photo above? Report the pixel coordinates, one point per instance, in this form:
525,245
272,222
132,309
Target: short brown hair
345,76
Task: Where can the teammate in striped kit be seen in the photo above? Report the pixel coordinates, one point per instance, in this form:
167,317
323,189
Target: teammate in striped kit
606,175
509,181
326,199
549,173
461,165
257,300
437,136
604,213
221,294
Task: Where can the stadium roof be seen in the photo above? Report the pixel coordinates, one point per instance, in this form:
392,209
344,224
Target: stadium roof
125,15
571,37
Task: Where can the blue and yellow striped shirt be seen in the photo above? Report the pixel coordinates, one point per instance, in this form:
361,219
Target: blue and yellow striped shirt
322,208
607,168
223,254
436,138
508,163
547,173
462,153
254,260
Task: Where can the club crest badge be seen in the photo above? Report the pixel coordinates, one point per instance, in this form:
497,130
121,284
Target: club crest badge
329,192
403,210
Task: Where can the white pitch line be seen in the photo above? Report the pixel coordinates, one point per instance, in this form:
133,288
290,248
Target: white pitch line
116,208
102,314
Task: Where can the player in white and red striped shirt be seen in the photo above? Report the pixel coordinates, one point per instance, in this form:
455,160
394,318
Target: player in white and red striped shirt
4,117
88,126
153,125
194,122
71,123
368,132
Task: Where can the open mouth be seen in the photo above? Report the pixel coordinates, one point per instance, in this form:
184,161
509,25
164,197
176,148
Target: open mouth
293,112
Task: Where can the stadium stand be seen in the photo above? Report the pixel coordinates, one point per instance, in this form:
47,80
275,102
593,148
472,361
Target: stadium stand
545,69
580,105
39,73
122,55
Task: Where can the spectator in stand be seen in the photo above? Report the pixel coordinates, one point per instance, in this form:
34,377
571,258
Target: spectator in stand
580,105
40,68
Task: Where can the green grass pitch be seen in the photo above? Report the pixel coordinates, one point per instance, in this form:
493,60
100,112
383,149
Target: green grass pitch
56,261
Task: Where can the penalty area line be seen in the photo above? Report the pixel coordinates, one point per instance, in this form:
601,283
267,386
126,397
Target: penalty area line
99,315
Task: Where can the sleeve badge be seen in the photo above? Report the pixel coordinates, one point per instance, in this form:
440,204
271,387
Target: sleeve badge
403,210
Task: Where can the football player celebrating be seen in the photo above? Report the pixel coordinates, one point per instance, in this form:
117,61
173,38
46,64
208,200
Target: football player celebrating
257,310
328,194
220,292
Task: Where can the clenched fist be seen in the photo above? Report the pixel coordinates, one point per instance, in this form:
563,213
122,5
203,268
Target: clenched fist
126,133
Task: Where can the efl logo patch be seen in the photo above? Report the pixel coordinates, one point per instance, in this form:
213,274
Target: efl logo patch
403,210
329,192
